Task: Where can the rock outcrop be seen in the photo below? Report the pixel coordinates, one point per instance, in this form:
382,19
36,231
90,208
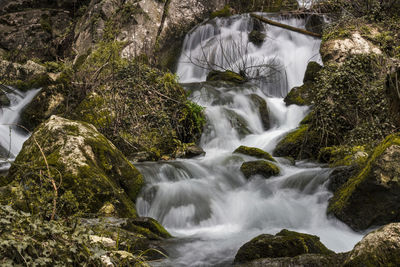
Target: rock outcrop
379,248
372,196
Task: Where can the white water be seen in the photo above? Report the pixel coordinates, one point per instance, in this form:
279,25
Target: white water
12,136
206,202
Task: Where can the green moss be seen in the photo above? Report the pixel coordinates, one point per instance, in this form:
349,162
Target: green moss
259,167
222,13
342,195
284,244
227,76
101,174
254,152
257,37
38,81
301,96
343,155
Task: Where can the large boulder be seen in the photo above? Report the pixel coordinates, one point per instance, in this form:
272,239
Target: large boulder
68,167
372,197
259,167
284,244
379,248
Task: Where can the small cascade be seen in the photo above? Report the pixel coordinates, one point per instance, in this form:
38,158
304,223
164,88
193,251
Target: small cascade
206,203
13,136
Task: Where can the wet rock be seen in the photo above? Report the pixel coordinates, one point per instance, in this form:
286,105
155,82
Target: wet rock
372,196
262,107
254,152
340,176
304,260
312,72
227,76
284,244
237,122
379,248
152,225
303,95
257,37
259,167
298,144
189,151
87,168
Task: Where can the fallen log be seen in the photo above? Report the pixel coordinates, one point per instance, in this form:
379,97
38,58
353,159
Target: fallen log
285,26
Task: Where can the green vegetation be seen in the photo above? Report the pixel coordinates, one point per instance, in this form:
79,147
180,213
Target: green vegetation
222,13
227,76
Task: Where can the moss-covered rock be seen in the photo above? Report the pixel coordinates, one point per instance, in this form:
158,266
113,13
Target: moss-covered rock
301,96
284,244
299,144
4,101
371,197
254,152
262,107
87,169
257,37
379,248
303,260
259,167
228,76
312,71
343,155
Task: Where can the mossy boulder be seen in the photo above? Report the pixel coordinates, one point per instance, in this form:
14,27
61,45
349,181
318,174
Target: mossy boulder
303,95
227,76
284,244
312,72
87,169
298,144
257,37
259,167
379,248
262,107
254,152
372,197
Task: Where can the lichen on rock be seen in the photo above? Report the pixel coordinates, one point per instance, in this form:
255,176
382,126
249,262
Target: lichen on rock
370,198
87,169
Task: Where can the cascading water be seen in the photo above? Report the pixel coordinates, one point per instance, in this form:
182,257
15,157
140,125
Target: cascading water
12,136
206,203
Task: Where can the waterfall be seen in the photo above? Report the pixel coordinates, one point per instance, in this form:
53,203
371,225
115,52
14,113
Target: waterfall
206,203
12,136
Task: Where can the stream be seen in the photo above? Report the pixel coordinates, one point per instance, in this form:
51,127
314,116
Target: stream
206,203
